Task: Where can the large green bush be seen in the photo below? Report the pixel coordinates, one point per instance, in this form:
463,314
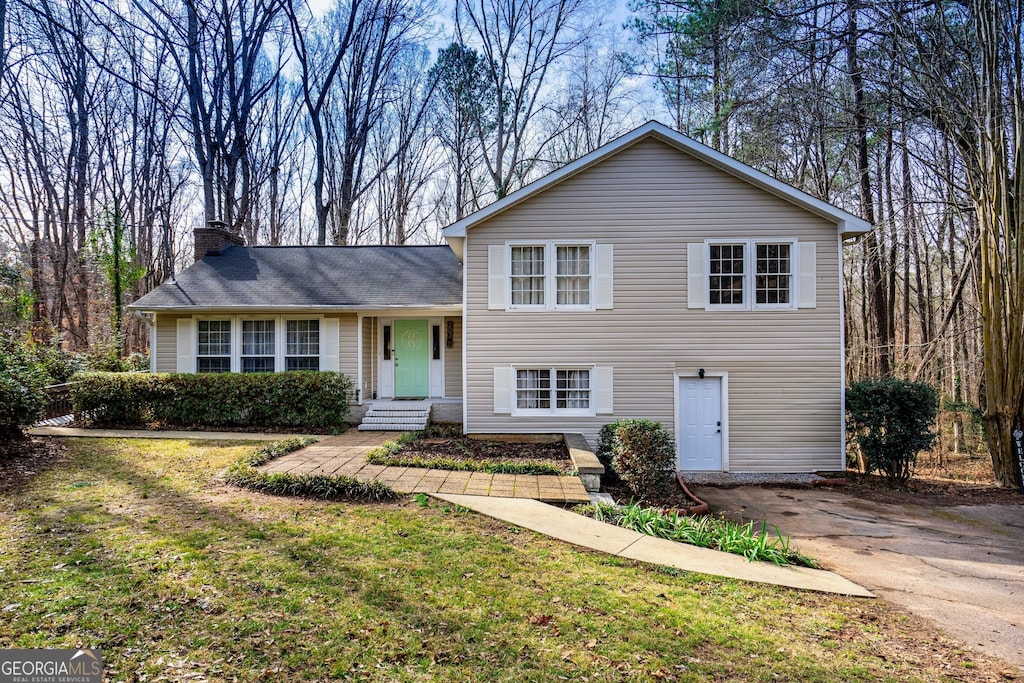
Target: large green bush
314,400
642,454
22,378
890,421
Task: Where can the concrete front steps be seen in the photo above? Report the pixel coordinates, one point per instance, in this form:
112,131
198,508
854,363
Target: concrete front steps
396,416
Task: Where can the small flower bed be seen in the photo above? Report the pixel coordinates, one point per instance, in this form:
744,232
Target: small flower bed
244,473
472,455
705,532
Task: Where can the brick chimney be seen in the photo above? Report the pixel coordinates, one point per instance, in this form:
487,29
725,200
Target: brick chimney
214,237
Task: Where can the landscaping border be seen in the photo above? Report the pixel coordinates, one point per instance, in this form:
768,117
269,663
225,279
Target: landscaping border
244,474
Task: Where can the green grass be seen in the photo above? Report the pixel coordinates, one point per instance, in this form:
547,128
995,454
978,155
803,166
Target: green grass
389,455
704,531
179,576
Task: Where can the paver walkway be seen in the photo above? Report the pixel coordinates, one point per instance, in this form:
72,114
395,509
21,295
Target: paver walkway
346,454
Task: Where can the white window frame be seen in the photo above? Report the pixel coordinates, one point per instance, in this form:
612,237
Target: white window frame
750,274
551,276
591,411
285,319
232,325
241,337
280,337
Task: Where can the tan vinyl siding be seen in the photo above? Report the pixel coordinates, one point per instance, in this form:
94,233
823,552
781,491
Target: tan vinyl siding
453,361
348,346
370,344
649,201
166,342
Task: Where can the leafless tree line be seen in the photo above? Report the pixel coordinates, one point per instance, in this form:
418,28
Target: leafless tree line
381,121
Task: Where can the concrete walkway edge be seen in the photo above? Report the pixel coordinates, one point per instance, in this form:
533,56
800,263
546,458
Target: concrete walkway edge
589,533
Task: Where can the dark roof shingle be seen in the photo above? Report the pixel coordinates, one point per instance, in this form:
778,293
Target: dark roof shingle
336,277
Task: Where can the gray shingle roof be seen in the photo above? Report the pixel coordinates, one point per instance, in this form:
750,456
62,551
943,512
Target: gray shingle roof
276,277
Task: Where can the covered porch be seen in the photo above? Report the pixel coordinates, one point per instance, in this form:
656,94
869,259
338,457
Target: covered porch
409,355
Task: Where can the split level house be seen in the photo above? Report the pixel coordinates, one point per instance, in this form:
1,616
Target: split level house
653,278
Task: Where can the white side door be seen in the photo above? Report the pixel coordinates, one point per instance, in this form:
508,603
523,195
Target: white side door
700,424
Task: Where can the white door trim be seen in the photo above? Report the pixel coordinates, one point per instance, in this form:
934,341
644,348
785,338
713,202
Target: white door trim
724,376
436,378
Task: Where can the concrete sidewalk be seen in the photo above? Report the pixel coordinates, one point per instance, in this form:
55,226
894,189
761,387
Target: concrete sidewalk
158,434
590,533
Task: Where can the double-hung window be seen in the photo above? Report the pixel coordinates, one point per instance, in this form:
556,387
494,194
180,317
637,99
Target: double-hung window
528,275
553,390
302,345
751,274
551,276
213,351
258,343
572,275
773,282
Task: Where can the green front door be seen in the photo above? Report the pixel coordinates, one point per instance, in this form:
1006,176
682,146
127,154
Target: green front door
412,359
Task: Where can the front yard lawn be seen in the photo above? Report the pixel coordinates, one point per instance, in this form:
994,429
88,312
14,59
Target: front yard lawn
137,547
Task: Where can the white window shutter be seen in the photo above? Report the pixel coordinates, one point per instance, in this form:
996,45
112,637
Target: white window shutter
329,345
503,390
604,291
496,280
696,291
604,403
807,284
185,346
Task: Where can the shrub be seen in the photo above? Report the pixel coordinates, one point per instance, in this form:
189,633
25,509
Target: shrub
22,378
642,452
21,403
315,400
890,421
604,452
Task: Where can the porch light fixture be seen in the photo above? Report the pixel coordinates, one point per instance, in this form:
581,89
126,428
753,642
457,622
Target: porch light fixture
700,373
449,333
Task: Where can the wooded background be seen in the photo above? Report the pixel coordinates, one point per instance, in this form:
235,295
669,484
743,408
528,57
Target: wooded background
123,125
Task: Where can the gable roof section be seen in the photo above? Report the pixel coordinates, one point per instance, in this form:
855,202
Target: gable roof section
849,225
280,278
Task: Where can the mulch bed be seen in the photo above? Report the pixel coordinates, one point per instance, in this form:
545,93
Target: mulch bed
464,448
671,497
25,457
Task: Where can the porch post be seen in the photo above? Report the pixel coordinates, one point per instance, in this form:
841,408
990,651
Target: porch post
359,357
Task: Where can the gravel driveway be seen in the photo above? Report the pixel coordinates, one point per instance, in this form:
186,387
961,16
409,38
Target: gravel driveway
962,567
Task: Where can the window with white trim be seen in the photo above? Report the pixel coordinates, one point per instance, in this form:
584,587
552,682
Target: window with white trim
726,274
258,344
213,351
553,390
572,275
773,283
551,276
527,275
302,345
751,274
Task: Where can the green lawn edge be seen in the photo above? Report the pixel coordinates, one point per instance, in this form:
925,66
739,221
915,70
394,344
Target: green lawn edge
244,474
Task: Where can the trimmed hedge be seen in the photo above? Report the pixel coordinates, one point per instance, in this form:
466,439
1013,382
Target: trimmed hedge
316,400
243,473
